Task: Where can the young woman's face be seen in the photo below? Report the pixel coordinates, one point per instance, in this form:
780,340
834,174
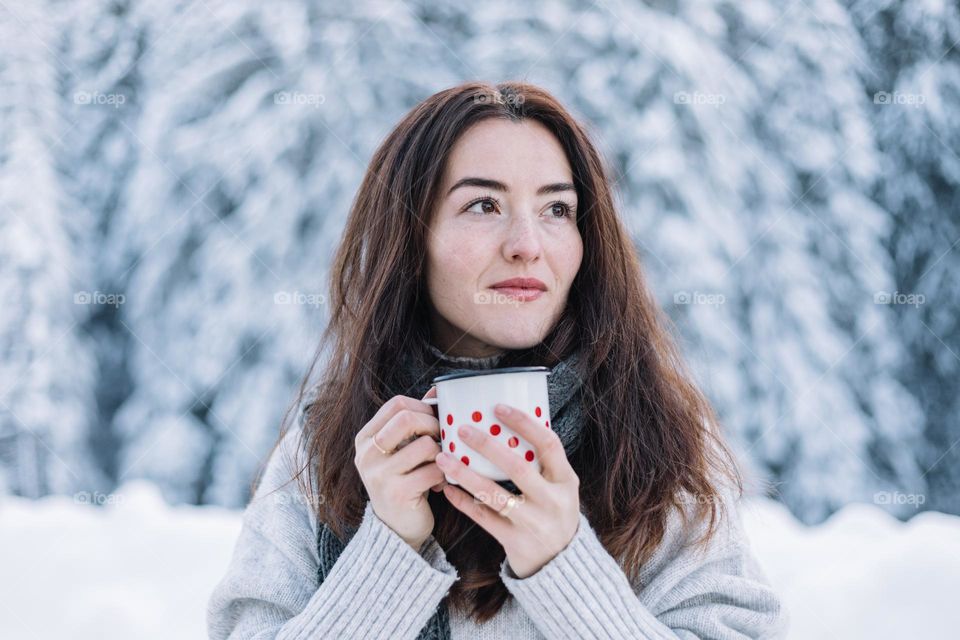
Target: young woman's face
506,209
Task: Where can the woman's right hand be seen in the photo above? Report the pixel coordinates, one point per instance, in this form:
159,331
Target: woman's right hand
398,481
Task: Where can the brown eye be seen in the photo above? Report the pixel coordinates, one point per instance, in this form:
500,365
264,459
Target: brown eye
487,205
562,210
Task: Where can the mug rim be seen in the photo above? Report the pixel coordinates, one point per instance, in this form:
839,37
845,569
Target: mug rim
485,372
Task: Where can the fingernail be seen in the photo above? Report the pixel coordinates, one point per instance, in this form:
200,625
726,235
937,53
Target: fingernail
465,432
503,409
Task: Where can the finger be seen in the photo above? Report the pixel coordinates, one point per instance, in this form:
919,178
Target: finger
428,408
494,524
432,393
483,489
389,409
425,477
406,426
423,449
517,463
545,442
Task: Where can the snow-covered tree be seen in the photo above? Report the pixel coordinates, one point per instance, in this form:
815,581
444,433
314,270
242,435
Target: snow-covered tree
47,369
913,84
101,46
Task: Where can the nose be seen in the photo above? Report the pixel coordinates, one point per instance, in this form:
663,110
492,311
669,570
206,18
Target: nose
522,241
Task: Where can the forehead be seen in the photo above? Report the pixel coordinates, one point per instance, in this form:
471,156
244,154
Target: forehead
515,153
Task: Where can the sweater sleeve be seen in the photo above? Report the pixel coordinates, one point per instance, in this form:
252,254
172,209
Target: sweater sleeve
720,593
379,587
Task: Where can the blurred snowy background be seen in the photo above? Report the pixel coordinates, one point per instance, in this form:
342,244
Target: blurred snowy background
174,176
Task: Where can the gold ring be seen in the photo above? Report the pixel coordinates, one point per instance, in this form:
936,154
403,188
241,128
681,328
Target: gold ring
511,503
377,445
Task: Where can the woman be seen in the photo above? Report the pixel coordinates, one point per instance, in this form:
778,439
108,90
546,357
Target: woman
630,530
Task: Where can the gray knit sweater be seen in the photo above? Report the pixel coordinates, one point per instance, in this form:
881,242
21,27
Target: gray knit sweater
380,587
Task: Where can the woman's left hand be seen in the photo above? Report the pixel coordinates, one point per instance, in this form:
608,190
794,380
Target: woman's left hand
545,517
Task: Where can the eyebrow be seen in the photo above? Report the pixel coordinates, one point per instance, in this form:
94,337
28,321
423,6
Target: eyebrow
496,185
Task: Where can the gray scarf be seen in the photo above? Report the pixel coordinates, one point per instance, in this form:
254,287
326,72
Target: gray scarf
414,376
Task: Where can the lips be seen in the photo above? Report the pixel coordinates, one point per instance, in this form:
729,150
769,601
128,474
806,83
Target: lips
523,289
520,283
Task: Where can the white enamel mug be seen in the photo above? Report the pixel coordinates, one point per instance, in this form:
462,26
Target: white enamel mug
469,398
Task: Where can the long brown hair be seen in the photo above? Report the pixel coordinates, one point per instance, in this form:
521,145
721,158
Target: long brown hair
649,433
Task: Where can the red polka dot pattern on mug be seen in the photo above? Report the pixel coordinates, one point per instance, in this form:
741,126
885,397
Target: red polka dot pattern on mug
495,430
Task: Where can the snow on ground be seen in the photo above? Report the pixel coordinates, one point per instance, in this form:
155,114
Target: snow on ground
140,568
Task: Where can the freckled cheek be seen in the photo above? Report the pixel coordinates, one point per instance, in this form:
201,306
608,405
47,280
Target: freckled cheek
566,260
457,270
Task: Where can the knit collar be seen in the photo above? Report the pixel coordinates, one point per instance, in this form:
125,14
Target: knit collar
467,362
